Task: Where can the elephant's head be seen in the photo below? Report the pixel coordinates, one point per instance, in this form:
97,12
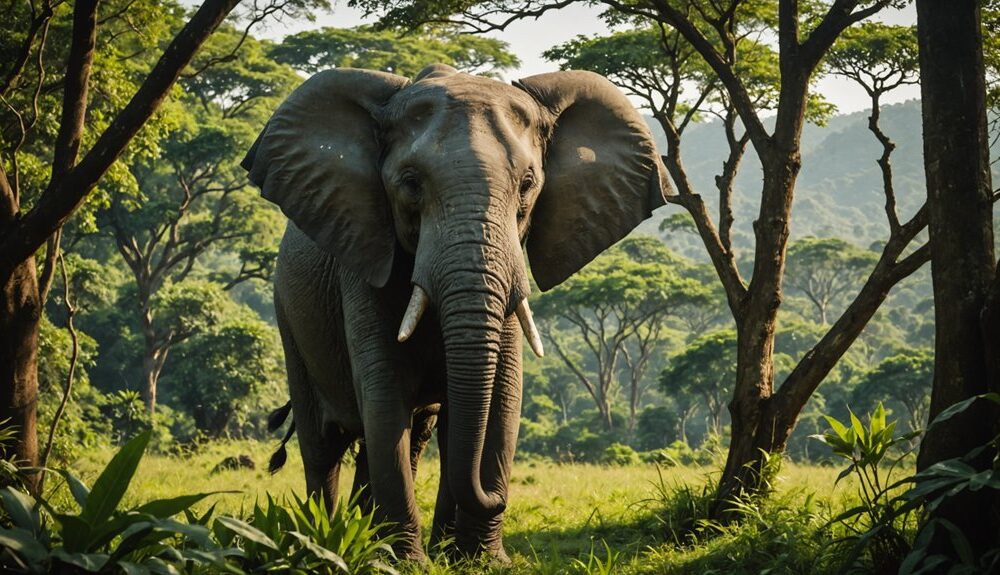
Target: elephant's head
458,171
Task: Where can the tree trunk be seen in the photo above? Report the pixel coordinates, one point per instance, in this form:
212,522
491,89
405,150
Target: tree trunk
20,313
153,358
959,201
752,431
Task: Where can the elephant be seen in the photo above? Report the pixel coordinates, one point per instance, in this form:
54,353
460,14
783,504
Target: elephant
401,290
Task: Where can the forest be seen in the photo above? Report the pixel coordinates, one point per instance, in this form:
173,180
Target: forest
793,366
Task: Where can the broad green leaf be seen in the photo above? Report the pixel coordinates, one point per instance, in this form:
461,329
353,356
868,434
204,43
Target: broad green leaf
247,531
878,419
110,486
24,544
839,428
321,552
161,567
75,532
22,509
957,408
959,542
76,487
132,569
163,508
91,562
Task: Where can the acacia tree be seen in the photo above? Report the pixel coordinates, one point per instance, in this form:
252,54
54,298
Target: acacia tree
764,414
613,300
707,368
904,379
31,218
826,270
366,47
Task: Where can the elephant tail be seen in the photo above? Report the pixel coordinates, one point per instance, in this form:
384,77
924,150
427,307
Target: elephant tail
277,417
281,454
275,420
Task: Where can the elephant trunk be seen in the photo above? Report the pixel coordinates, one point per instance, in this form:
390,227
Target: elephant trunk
471,321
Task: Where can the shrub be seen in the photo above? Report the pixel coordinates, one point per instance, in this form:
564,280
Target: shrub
620,455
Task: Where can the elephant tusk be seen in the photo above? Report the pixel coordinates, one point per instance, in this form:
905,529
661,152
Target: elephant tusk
415,309
529,329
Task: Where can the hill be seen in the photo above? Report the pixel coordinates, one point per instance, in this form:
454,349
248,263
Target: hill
839,190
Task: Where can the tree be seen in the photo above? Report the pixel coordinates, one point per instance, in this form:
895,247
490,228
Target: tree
904,380
964,270
613,300
389,51
24,228
826,271
706,367
223,372
194,197
723,35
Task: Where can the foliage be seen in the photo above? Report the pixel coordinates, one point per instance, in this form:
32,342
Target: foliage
105,536
904,380
827,271
222,376
619,454
389,51
301,536
707,367
878,56
879,524
102,536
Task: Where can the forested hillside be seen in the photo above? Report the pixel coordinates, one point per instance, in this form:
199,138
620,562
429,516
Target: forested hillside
839,191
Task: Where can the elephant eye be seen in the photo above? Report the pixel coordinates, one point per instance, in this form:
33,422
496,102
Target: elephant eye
409,184
527,183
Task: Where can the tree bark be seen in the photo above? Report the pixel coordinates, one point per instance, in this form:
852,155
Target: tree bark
20,313
959,201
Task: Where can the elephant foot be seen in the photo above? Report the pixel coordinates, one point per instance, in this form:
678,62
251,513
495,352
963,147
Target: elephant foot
409,551
481,540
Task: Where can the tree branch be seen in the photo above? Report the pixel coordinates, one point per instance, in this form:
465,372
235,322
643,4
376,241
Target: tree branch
61,199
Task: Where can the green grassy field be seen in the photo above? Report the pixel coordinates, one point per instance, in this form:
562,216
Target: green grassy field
560,516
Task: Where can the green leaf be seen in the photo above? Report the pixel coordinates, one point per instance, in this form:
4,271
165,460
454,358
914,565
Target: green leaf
76,487
132,569
959,542
957,408
91,562
877,422
111,485
21,508
163,508
320,551
75,532
247,531
161,567
24,544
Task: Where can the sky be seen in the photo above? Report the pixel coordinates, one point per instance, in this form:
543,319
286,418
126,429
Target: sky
529,38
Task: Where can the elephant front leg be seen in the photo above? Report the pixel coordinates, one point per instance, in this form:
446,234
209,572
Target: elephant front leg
477,536
387,442
443,527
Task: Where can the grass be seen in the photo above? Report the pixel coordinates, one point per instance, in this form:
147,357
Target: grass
566,518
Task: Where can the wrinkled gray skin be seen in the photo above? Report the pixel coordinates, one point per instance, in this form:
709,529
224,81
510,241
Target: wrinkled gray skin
435,183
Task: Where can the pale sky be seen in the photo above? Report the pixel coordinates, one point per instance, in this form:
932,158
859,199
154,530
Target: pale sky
529,38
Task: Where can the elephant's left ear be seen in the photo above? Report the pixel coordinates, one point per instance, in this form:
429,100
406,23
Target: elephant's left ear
603,175
317,158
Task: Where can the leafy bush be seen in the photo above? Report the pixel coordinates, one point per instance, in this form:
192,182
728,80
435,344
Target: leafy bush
879,524
680,453
100,537
103,537
303,537
619,454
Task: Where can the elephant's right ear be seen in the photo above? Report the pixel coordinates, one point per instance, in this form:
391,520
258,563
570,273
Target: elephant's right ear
317,158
